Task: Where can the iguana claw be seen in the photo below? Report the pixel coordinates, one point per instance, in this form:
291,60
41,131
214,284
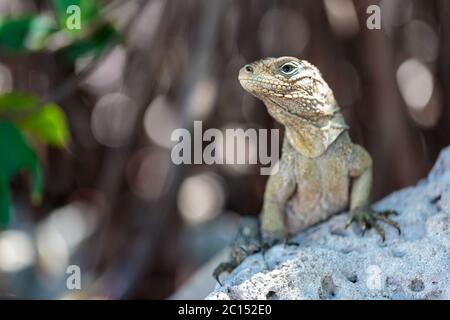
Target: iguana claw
367,218
246,242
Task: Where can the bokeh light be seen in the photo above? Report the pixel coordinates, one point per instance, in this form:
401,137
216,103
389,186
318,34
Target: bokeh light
159,122
415,82
148,172
395,13
201,198
108,73
202,99
342,17
16,251
113,118
61,233
421,40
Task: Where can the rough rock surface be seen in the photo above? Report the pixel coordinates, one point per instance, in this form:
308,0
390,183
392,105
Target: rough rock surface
337,263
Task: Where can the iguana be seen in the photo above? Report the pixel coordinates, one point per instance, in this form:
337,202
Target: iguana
321,172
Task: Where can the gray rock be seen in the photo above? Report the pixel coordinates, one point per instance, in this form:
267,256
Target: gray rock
333,262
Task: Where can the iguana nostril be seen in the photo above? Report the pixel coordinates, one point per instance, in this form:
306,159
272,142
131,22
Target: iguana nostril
249,68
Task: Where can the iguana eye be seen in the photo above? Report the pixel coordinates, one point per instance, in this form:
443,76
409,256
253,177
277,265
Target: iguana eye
288,68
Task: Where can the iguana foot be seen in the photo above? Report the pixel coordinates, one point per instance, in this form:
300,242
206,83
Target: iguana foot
224,267
246,243
268,241
368,218
289,241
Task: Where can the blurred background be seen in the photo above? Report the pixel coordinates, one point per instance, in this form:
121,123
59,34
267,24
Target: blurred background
86,117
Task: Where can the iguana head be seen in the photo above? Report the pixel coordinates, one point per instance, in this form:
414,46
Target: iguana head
297,96
295,86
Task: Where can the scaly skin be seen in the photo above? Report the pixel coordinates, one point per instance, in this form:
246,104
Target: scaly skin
321,172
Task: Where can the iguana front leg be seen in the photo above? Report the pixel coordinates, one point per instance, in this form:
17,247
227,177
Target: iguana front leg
280,187
360,210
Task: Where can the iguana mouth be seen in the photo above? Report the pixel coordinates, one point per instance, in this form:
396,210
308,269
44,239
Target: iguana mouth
315,122
265,84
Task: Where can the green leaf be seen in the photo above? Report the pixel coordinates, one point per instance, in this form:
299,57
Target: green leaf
16,155
14,102
88,10
5,209
96,44
49,125
25,33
